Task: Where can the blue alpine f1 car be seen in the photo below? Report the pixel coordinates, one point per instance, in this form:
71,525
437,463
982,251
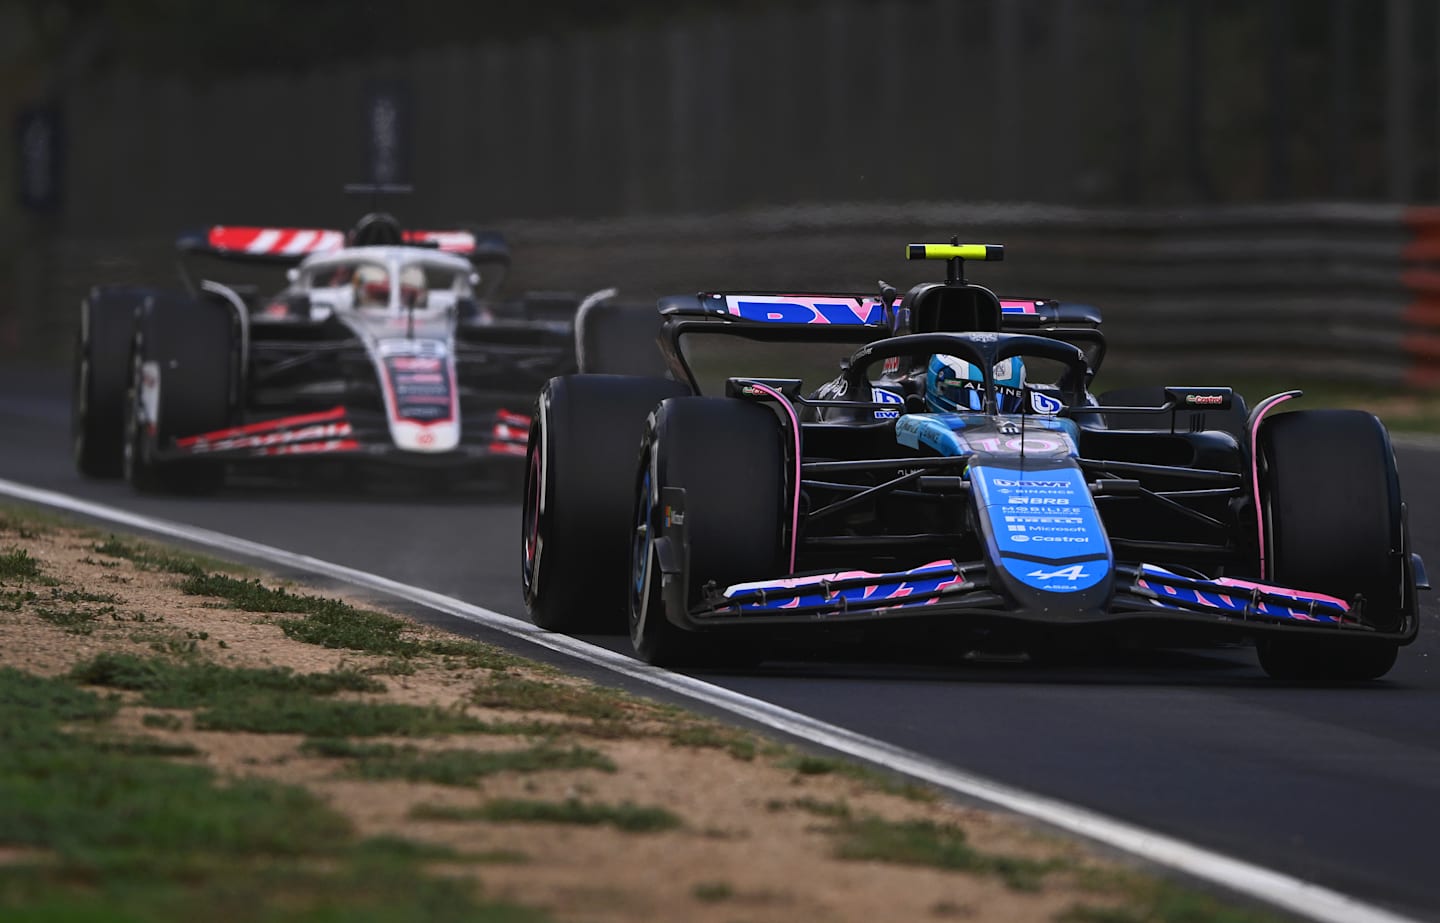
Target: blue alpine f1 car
959,476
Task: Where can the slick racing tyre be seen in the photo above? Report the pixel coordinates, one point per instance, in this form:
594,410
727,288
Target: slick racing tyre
101,371
618,338
729,458
575,522
1332,520
1232,421
182,365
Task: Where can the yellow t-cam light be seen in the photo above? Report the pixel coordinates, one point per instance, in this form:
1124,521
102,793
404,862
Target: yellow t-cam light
986,252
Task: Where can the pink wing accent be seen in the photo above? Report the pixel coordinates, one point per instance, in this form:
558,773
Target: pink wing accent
795,492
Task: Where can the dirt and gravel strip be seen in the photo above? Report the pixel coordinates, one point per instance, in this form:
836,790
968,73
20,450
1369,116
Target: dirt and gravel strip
670,817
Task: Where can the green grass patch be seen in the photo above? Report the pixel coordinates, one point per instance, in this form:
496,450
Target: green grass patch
290,714
15,600
75,621
452,767
118,832
143,746
1137,898
170,684
941,846
833,809
735,742
23,525
151,557
806,764
84,596
712,892
273,700
163,722
336,624
513,692
16,565
631,818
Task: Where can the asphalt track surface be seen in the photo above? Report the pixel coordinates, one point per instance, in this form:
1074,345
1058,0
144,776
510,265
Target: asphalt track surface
1338,786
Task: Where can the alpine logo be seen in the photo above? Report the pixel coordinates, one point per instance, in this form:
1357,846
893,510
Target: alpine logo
881,396
1072,573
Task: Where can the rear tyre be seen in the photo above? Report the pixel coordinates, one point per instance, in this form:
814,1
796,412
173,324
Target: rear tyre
729,458
101,371
1332,519
182,361
584,441
619,338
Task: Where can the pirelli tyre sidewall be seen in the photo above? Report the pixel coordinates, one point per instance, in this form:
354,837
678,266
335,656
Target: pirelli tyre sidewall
100,372
1333,523
182,376
728,456
575,517
619,337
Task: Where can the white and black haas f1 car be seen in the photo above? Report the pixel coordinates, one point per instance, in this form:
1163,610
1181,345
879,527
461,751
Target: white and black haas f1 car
957,478
388,347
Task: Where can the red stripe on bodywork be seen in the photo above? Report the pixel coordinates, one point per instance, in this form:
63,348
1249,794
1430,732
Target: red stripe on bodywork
334,414
312,448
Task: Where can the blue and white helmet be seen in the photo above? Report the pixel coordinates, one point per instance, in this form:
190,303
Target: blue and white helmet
953,385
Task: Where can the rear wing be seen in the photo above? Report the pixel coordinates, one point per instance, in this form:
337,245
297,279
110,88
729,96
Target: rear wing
288,246
841,318
852,309
487,250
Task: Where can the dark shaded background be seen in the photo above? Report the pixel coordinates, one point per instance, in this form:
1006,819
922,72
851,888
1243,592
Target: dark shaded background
166,114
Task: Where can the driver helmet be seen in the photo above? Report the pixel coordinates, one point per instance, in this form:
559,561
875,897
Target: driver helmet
953,385
412,287
372,287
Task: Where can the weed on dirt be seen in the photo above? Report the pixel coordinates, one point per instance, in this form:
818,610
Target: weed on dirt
16,565
150,557
943,846
453,767
631,818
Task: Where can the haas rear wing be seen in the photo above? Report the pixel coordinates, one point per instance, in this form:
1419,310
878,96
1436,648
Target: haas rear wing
288,246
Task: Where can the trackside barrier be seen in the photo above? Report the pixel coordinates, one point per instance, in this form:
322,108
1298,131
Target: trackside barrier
1421,278
1344,291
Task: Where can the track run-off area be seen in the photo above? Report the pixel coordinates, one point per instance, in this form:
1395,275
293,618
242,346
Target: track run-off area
1321,801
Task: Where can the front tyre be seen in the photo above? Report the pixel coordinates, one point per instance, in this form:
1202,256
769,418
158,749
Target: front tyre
729,458
182,364
100,374
580,462
1332,523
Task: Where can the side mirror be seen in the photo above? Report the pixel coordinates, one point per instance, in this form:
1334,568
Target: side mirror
292,274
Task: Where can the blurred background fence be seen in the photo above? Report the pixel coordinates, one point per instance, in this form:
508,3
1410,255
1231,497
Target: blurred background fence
1171,160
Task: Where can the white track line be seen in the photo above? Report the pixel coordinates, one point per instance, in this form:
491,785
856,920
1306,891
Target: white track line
1281,890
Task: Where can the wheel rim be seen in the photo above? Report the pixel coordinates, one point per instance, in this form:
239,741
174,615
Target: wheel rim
80,407
127,450
530,519
642,556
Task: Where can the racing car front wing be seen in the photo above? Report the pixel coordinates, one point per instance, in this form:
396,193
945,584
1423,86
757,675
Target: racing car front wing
502,434
954,588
